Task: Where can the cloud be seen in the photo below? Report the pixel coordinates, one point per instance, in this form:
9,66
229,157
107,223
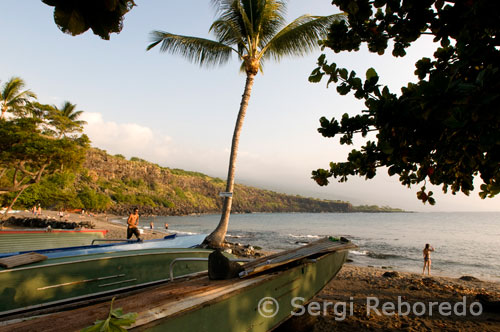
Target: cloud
128,139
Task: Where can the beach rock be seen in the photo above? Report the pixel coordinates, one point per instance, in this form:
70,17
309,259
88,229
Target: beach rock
469,278
391,274
428,281
489,303
44,223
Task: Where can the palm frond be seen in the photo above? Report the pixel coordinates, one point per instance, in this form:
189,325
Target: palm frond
227,32
197,50
300,36
235,12
271,20
13,98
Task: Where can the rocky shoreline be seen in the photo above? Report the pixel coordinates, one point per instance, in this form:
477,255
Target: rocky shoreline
361,287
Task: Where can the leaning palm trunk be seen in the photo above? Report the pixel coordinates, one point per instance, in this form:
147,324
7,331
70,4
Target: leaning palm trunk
216,238
255,30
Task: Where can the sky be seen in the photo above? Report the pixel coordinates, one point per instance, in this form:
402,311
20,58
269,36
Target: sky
164,109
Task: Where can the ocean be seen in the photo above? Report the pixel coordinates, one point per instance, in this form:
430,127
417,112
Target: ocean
465,243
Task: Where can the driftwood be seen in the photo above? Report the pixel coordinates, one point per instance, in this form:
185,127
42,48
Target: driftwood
24,259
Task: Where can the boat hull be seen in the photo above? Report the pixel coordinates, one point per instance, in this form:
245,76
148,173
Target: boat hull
63,279
238,311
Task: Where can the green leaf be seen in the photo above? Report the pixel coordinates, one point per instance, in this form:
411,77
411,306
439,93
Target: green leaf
343,73
116,319
316,75
370,73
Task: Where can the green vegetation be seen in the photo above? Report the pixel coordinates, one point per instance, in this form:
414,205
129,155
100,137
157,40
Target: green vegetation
375,208
38,142
178,171
137,159
444,129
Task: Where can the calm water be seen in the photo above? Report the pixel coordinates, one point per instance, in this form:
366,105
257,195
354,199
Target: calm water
465,243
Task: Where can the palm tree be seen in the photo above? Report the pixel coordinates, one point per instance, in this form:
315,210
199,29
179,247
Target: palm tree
65,120
256,31
13,98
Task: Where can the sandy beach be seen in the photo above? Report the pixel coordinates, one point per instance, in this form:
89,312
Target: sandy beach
360,288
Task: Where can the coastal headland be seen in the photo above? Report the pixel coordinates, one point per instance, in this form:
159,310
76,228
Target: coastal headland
117,185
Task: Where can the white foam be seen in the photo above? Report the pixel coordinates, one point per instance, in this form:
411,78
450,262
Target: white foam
305,236
182,233
359,252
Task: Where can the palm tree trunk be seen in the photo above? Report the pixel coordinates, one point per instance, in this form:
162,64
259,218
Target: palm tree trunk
216,238
4,109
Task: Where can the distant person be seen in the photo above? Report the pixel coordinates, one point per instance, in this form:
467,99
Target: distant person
132,223
151,225
61,214
39,209
427,258
166,226
34,210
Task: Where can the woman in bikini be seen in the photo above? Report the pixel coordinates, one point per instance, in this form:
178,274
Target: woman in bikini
427,258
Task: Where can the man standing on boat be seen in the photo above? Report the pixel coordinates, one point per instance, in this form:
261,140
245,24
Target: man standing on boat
132,223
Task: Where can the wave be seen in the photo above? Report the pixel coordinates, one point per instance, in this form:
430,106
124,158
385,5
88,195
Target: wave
305,236
234,236
378,255
359,252
181,233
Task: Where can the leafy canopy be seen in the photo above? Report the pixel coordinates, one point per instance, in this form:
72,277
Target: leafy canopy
445,128
104,17
35,143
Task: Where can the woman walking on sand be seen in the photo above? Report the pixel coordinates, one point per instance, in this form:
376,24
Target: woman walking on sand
427,258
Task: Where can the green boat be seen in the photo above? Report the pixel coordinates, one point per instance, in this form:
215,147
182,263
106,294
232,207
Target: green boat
68,279
260,300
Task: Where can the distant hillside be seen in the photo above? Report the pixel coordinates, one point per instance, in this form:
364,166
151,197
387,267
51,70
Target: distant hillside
120,184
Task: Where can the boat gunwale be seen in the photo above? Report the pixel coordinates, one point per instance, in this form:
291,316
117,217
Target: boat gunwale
74,259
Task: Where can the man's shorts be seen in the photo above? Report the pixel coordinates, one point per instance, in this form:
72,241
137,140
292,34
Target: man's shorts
133,230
